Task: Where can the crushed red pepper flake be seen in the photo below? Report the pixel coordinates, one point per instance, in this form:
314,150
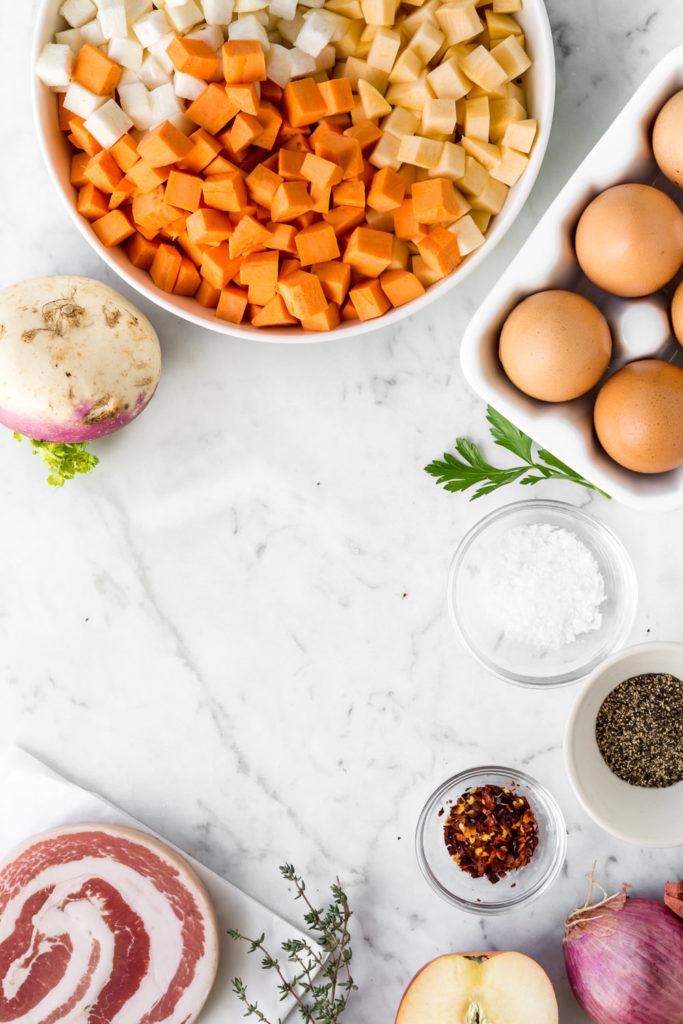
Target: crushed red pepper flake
491,831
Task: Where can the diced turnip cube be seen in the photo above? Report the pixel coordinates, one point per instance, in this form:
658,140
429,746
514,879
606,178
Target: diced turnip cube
158,51
77,12
126,52
71,38
184,16
128,77
218,12
108,123
245,6
183,123
171,3
136,8
164,103
152,74
136,103
289,28
152,27
212,35
249,27
261,16
317,31
55,64
302,63
311,3
285,9
92,33
187,86
279,64
112,18
326,59
81,101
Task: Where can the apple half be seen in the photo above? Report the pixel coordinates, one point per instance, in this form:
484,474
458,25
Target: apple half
480,988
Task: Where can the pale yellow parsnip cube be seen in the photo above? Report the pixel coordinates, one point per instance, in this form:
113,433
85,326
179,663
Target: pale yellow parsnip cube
507,6
410,94
447,81
415,149
379,12
452,162
501,25
459,21
438,117
347,8
358,113
483,69
477,118
380,221
486,153
512,57
511,167
401,122
357,69
467,233
427,42
385,153
423,273
408,172
482,219
492,197
520,135
385,47
372,101
348,45
425,14
407,68
504,113
474,179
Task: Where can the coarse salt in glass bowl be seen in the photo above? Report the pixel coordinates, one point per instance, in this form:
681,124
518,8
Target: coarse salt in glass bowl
518,887
485,638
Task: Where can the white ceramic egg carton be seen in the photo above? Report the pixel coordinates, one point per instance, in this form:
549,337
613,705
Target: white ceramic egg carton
547,260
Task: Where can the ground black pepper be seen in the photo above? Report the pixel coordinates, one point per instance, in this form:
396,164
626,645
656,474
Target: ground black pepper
639,730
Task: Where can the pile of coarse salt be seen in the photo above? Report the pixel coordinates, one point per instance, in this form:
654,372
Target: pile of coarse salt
544,587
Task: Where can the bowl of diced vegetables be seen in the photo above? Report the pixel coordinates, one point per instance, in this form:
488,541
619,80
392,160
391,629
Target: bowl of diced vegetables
293,170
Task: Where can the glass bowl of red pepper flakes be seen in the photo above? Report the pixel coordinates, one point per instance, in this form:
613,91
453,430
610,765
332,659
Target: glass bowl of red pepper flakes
490,840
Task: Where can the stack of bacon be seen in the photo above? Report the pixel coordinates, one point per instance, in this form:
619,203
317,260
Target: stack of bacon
103,925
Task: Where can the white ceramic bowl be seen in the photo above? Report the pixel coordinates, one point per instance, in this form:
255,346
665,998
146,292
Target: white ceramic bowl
540,84
646,817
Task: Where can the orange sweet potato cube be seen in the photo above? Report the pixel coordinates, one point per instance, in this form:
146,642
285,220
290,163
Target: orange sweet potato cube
245,97
81,138
232,304
302,294
368,299
291,200
387,190
193,57
262,184
141,251
114,228
323,173
207,295
166,267
91,202
218,267
208,227
245,128
342,150
243,61
271,120
289,164
225,191
303,102
184,190
212,109
344,219
95,71
349,193
316,243
435,200
273,314
439,249
249,236
103,171
337,95
400,286
366,134
123,192
205,148
79,162
335,278
163,145
282,237
125,152
369,251
325,321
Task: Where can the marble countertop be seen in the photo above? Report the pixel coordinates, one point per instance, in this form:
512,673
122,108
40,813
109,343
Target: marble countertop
236,628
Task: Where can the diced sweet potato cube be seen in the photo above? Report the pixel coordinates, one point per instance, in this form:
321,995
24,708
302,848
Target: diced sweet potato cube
165,267
439,250
141,251
348,311
290,164
271,120
245,128
435,201
282,237
273,314
122,193
368,299
172,231
95,71
205,148
220,165
317,243
212,109
249,236
218,267
79,162
92,203
405,222
163,145
225,191
337,96
400,286
207,226
193,57
207,295
232,304
81,138
325,321
188,279
147,178
349,193
344,219
291,200
324,173
184,190
271,92
368,251
365,132
342,150
288,267
262,184
387,190
259,273
243,61
335,278
125,152
302,294
303,102
114,228
245,97
103,171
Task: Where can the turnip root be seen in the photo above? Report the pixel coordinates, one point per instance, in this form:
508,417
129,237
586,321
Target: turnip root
77,361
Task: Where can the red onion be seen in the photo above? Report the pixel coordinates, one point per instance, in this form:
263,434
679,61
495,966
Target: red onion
624,960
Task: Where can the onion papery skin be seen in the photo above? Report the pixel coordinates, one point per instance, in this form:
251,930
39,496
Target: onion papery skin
624,961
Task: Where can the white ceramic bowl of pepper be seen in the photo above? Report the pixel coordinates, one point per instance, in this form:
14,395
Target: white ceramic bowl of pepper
641,734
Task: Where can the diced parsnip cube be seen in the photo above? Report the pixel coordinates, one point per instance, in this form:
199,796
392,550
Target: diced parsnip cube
357,69
425,14
92,33
78,12
320,27
423,273
185,16
279,64
187,87
289,28
54,67
520,135
412,95
311,3
438,117
407,68
349,8
401,122
474,179
512,57
511,167
347,46
160,54
111,15
385,153
483,69
81,101
246,6
152,27
427,41
459,21
482,219
126,52
218,12
451,163
164,102
72,38
468,234
212,35
301,63
504,113
384,48
379,12
501,25
285,9
152,74
415,149
448,82
507,6
326,59
136,8
488,154
372,101
492,197
477,119
249,27
136,102
261,16
108,123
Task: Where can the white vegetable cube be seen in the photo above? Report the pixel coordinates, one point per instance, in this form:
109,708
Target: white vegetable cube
407,68
357,69
379,12
512,57
111,15
249,27
72,38
427,42
372,101
77,12
185,16
246,6
152,27
164,103
501,25
301,63
279,64
218,12
482,219
136,102
451,163
152,74
136,8
158,51
438,117
349,42
92,33
507,6
520,135
483,69
511,167
384,48
285,9
126,52
311,3
415,149
426,14
108,123
503,113
55,64
349,8
448,82
474,179
492,197
459,21
487,153
289,29
326,59
212,35
183,123
187,87
477,118
468,234
385,153
401,122
319,28
412,95
81,101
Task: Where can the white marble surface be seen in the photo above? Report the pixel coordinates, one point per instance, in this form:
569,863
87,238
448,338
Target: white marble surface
236,628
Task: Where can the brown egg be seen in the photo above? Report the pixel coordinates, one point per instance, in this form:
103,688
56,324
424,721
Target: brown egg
667,139
677,312
639,416
629,240
555,346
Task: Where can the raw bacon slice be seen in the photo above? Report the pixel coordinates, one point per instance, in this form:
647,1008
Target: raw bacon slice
103,925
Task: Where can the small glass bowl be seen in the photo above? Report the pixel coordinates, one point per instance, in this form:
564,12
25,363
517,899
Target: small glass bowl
518,887
510,659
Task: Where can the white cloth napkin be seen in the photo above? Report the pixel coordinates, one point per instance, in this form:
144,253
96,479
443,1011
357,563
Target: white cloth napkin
33,799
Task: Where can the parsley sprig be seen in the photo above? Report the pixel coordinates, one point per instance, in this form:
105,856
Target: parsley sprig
322,982
63,460
472,469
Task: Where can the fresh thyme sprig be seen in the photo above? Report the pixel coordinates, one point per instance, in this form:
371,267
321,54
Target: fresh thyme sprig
318,1003
472,469
63,460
